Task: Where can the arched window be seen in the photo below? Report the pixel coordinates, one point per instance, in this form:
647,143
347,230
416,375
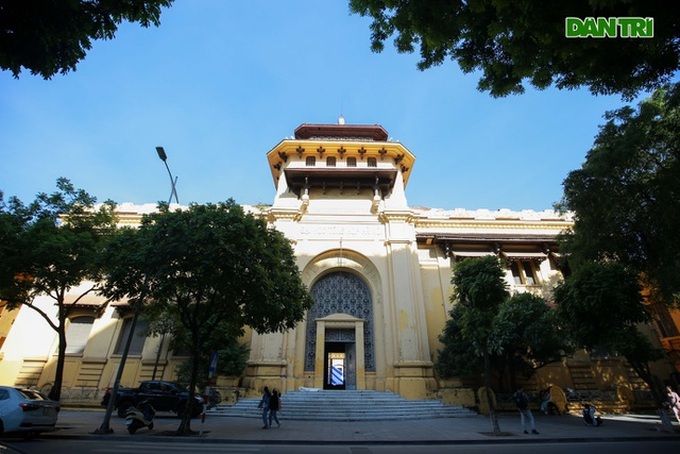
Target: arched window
330,161
343,293
372,162
311,161
351,161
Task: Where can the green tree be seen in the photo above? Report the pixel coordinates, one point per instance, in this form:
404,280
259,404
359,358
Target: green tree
232,361
479,286
49,37
458,356
600,305
626,195
52,246
514,42
525,338
212,267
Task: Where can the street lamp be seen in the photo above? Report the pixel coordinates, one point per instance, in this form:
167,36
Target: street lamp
105,427
173,182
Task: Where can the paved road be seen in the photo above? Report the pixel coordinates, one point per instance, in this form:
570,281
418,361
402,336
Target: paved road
79,424
121,445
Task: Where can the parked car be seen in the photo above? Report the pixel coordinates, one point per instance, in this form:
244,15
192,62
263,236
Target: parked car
162,395
27,411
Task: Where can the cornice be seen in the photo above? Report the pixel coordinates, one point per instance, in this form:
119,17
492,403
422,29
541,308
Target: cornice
492,224
297,149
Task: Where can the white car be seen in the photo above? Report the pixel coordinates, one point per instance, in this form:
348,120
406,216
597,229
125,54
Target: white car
27,411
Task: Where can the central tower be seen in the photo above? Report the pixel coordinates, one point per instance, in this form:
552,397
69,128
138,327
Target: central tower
340,199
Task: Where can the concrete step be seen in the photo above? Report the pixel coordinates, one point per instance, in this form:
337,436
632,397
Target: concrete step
345,406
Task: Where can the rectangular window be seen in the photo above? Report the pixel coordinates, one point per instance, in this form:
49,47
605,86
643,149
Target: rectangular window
523,272
138,337
77,334
372,162
330,161
515,273
529,277
310,161
351,161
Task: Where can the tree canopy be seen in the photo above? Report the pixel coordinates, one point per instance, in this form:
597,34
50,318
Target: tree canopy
49,37
513,42
50,247
525,337
207,268
479,287
625,197
600,305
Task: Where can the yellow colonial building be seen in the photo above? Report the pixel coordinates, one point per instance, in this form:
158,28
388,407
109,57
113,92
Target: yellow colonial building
379,271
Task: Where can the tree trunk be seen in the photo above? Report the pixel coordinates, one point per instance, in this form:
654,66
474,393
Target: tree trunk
657,393
656,388
185,425
55,392
492,411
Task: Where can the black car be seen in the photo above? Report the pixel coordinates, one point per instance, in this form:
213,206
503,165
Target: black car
162,395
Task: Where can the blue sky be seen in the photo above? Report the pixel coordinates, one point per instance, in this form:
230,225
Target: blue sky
220,83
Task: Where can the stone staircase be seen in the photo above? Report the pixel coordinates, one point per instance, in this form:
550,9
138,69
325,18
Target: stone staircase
360,405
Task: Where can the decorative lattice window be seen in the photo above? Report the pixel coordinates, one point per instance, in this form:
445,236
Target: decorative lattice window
341,293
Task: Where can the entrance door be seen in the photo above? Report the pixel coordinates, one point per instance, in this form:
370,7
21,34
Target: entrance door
351,366
336,366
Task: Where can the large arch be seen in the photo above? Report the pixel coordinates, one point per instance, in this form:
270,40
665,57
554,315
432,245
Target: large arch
343,283
341,292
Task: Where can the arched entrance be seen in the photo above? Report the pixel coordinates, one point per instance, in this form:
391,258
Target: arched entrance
339,345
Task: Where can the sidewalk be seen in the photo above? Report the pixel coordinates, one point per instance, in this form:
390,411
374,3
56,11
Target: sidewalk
464,430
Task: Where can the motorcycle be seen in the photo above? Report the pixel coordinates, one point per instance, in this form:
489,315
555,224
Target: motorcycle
139,416
213,397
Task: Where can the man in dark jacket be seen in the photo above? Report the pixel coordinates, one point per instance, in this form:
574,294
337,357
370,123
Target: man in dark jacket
522,401
274,406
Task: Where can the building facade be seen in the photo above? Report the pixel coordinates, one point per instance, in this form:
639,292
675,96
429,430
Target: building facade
379,271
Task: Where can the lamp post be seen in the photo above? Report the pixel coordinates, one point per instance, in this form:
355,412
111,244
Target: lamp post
105,427
173,182
173,191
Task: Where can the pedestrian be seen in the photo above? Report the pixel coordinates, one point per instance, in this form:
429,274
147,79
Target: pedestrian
264,405
522,401
274,406
589,418
546,400
673,402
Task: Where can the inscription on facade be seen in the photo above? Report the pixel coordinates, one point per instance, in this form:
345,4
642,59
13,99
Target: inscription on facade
342,231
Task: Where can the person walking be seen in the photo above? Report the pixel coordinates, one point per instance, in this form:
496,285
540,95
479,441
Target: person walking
274,406
522,401
673,402
264,405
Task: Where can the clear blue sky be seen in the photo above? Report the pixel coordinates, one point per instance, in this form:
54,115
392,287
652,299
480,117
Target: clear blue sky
220,83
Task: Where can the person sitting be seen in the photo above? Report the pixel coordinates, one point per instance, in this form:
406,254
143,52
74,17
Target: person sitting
546,400
589,417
